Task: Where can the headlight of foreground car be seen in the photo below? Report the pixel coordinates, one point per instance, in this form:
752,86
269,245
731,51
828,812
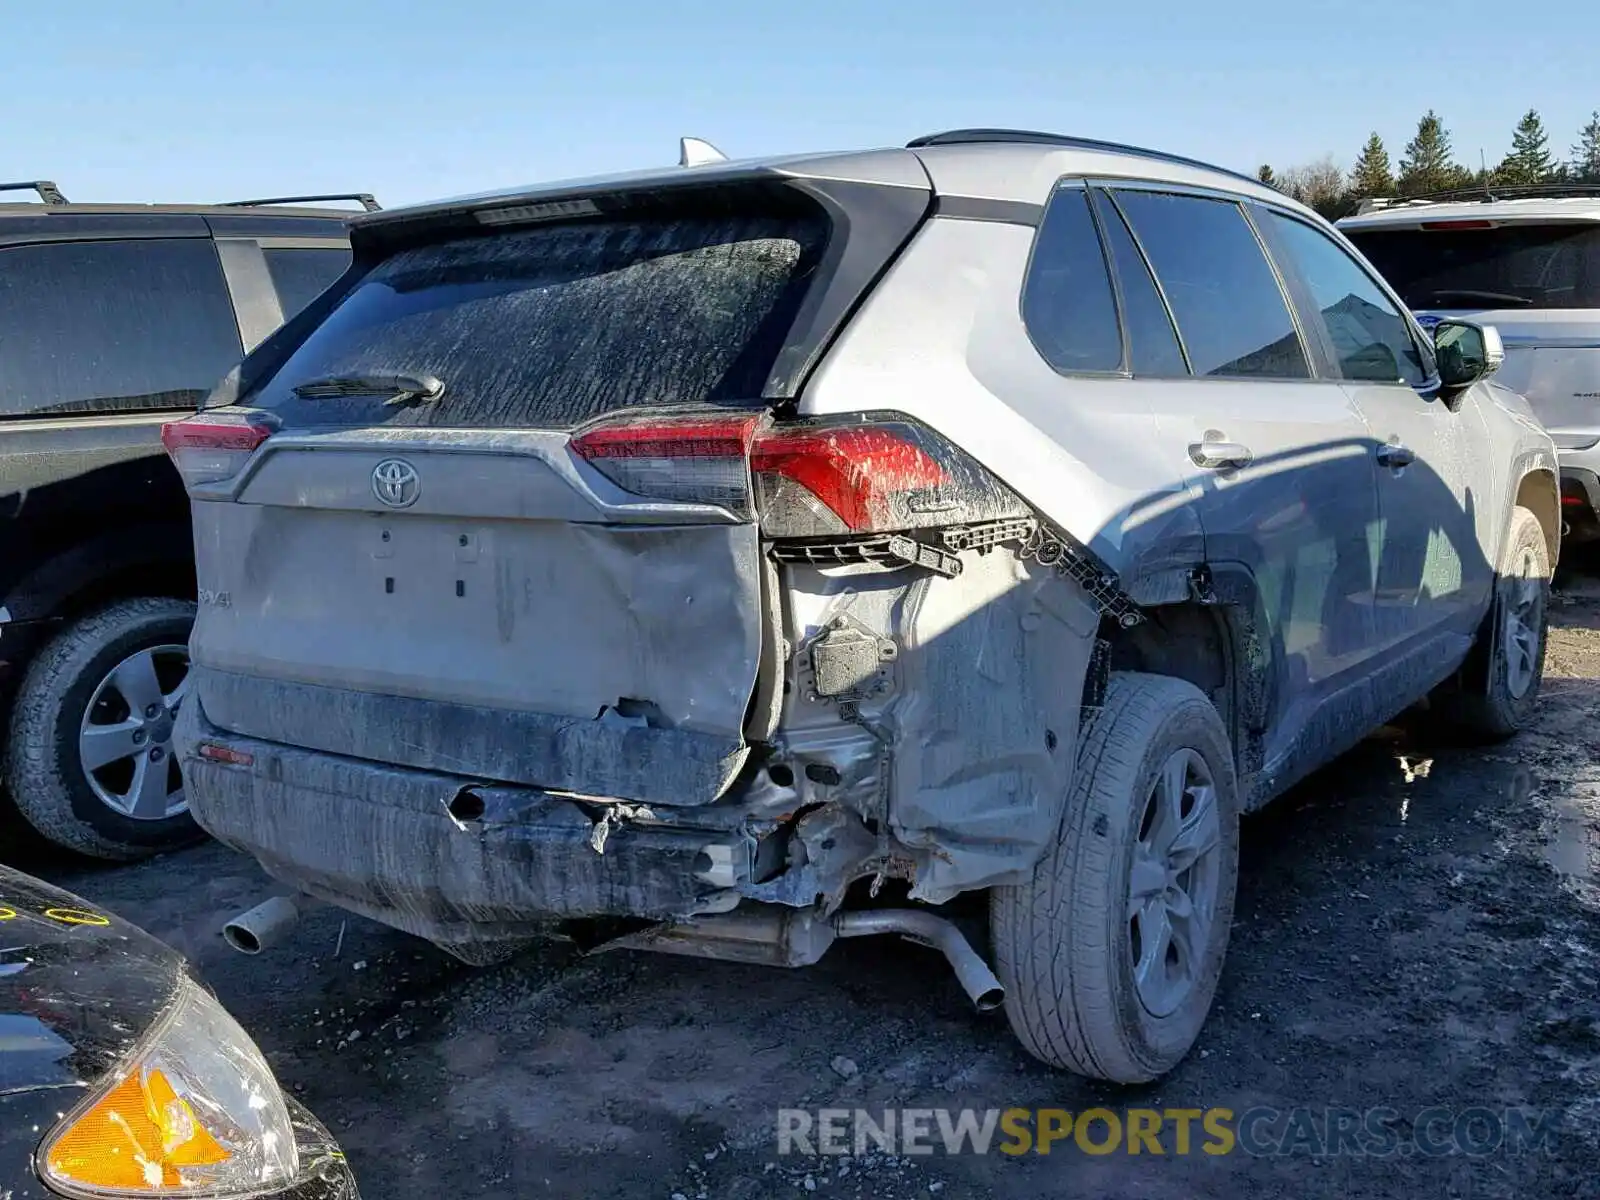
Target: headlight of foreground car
195,1112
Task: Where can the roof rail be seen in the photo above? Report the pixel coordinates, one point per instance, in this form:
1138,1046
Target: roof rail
969,137
1488,193
363,198
48,192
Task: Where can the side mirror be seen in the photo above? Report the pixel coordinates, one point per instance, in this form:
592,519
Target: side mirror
1466,353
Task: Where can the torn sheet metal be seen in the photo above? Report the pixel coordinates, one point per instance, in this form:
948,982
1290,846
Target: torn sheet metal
992,668
973,727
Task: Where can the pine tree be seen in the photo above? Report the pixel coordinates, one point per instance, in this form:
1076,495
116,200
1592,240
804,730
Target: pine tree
1428,164
1264,173
1586,154
1530,160
1372,176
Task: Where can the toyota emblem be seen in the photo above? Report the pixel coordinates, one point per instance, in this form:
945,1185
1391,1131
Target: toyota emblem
395,483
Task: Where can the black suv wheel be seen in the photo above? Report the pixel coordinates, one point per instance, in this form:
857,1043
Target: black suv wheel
91,764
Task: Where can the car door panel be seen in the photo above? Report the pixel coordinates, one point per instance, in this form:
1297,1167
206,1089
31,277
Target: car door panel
1433,578
1279,462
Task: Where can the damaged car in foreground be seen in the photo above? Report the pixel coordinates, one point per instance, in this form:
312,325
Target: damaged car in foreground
719,546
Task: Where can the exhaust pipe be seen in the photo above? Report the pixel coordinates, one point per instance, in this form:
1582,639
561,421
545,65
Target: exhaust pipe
253,930
976,979
791,938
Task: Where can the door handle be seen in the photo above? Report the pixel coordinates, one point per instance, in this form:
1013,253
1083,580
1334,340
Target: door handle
1216,454
1394,456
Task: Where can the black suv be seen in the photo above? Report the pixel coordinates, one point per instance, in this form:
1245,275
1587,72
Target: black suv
112,319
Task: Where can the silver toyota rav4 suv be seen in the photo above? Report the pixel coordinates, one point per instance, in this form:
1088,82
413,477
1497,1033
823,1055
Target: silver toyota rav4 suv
739,546
1526,260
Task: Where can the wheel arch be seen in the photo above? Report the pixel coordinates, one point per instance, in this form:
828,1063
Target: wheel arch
1539,492
153,558
1219,641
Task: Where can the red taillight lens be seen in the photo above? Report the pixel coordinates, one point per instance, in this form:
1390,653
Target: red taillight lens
705,461
809,480
207,449
855,478
1440,226
815,480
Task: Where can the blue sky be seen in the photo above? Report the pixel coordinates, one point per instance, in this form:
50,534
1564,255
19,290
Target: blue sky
166,100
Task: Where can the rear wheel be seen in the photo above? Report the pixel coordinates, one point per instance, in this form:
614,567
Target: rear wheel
90,763
1111,953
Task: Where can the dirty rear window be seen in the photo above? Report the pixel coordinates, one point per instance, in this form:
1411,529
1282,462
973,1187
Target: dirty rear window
1511,266
552,326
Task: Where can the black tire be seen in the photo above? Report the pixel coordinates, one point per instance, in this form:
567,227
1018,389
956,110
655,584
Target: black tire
44,773
1063,941
1487,706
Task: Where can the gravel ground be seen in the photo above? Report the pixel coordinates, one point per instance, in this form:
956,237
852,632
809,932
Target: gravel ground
1417,927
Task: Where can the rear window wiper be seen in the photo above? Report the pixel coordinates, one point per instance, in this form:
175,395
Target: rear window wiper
1481,297
400,390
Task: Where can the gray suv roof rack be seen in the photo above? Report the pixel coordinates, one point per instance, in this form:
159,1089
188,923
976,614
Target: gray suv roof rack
1489,193
48,192
969,137
363,198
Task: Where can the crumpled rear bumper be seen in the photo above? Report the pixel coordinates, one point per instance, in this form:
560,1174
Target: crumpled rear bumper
381,841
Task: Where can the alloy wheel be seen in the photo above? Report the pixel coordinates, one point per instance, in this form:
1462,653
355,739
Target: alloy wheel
125,739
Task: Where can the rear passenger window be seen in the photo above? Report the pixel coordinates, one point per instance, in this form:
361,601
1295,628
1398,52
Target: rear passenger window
1224,295
1371,340
301,274
113,326
1067,303
1152,344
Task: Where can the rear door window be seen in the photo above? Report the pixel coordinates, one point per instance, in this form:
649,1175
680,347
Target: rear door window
1370,337
113,326
1152,342
1505,266
1067,303
1223,292
301,274
552,326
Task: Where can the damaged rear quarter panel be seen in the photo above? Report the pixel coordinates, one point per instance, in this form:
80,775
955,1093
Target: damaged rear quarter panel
978,715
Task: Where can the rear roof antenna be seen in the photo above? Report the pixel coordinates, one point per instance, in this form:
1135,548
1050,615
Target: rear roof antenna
697,152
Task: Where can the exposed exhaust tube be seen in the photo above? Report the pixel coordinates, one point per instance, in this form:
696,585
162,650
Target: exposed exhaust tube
785,937
254,930
976,979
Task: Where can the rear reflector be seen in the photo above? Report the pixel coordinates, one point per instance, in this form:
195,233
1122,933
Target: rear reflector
210,448
809,480
224,754
1444,225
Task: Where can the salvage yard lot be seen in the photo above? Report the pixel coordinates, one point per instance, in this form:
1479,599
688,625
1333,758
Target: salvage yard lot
1416,928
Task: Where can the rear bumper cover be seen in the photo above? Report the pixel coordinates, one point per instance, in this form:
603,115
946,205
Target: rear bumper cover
381,841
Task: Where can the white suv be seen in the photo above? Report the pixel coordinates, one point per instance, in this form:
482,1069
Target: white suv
724,546
1527,260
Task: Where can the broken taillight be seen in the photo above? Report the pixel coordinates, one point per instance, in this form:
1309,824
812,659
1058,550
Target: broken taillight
813,480
213,446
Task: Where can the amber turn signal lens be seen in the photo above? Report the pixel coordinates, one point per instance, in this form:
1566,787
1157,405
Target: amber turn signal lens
137,1137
